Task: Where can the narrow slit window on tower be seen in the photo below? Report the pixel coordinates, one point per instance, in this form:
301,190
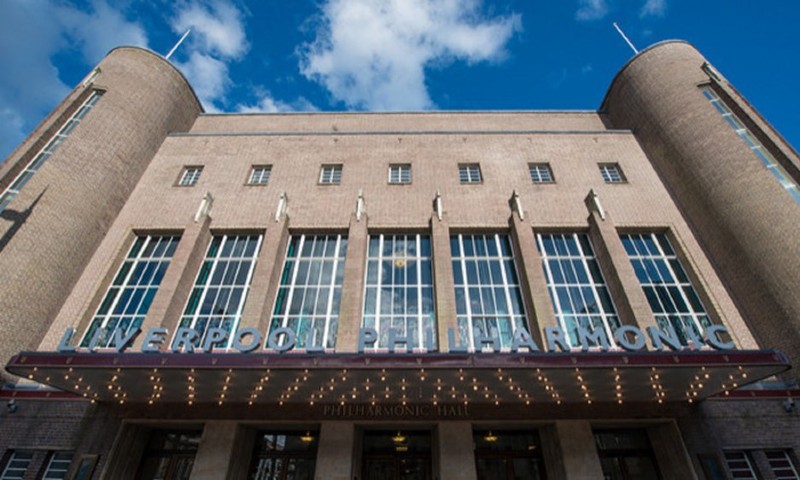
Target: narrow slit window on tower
49,148
763,154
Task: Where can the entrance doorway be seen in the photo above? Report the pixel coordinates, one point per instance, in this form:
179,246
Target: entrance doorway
169,455
508,455
626,455
396,455
284,456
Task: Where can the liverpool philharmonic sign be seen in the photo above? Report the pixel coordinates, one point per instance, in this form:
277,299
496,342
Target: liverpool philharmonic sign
280,340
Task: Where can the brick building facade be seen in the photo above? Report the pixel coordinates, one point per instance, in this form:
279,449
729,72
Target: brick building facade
438,295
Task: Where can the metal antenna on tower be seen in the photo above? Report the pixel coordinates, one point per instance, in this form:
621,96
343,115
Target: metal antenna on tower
179,43
635,51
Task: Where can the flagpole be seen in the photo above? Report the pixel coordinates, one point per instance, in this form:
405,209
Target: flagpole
179,44
623,36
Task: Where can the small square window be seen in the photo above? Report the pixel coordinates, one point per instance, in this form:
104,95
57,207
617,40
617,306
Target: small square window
190,176
469,173
611,173
330,174
541,173
400,173
259,175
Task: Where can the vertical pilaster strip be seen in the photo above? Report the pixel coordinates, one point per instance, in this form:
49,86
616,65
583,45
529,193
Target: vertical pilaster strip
215,452
335,452
456,455
672,457
578,450
126,452
632,305
169,301
532,280
443,281
353,285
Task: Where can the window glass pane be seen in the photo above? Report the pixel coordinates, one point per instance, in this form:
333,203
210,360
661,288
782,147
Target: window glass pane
405,293
221,286
134,285
665,283
313,291
489,290
576,285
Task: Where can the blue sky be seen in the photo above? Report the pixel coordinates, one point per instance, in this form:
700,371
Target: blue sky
297,55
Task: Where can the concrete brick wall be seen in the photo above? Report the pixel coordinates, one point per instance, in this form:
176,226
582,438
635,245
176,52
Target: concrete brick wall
157,204
747,224
51,229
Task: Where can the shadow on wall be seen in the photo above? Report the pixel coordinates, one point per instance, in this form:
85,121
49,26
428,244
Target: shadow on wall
18,219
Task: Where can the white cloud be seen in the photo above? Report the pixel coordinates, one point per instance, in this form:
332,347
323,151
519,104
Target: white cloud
268,104
373,53
208,76
589,10
31,33
217,27
653,8
99,31
218,37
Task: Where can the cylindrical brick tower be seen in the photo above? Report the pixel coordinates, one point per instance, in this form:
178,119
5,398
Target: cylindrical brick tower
747,221
51,228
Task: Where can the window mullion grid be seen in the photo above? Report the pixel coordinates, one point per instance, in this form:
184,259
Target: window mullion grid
551,284
125,282
206,287
506,287
379,289
467,299
419,287
644,257
594,287
293,283
558,258
245,288
680,286
329,307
